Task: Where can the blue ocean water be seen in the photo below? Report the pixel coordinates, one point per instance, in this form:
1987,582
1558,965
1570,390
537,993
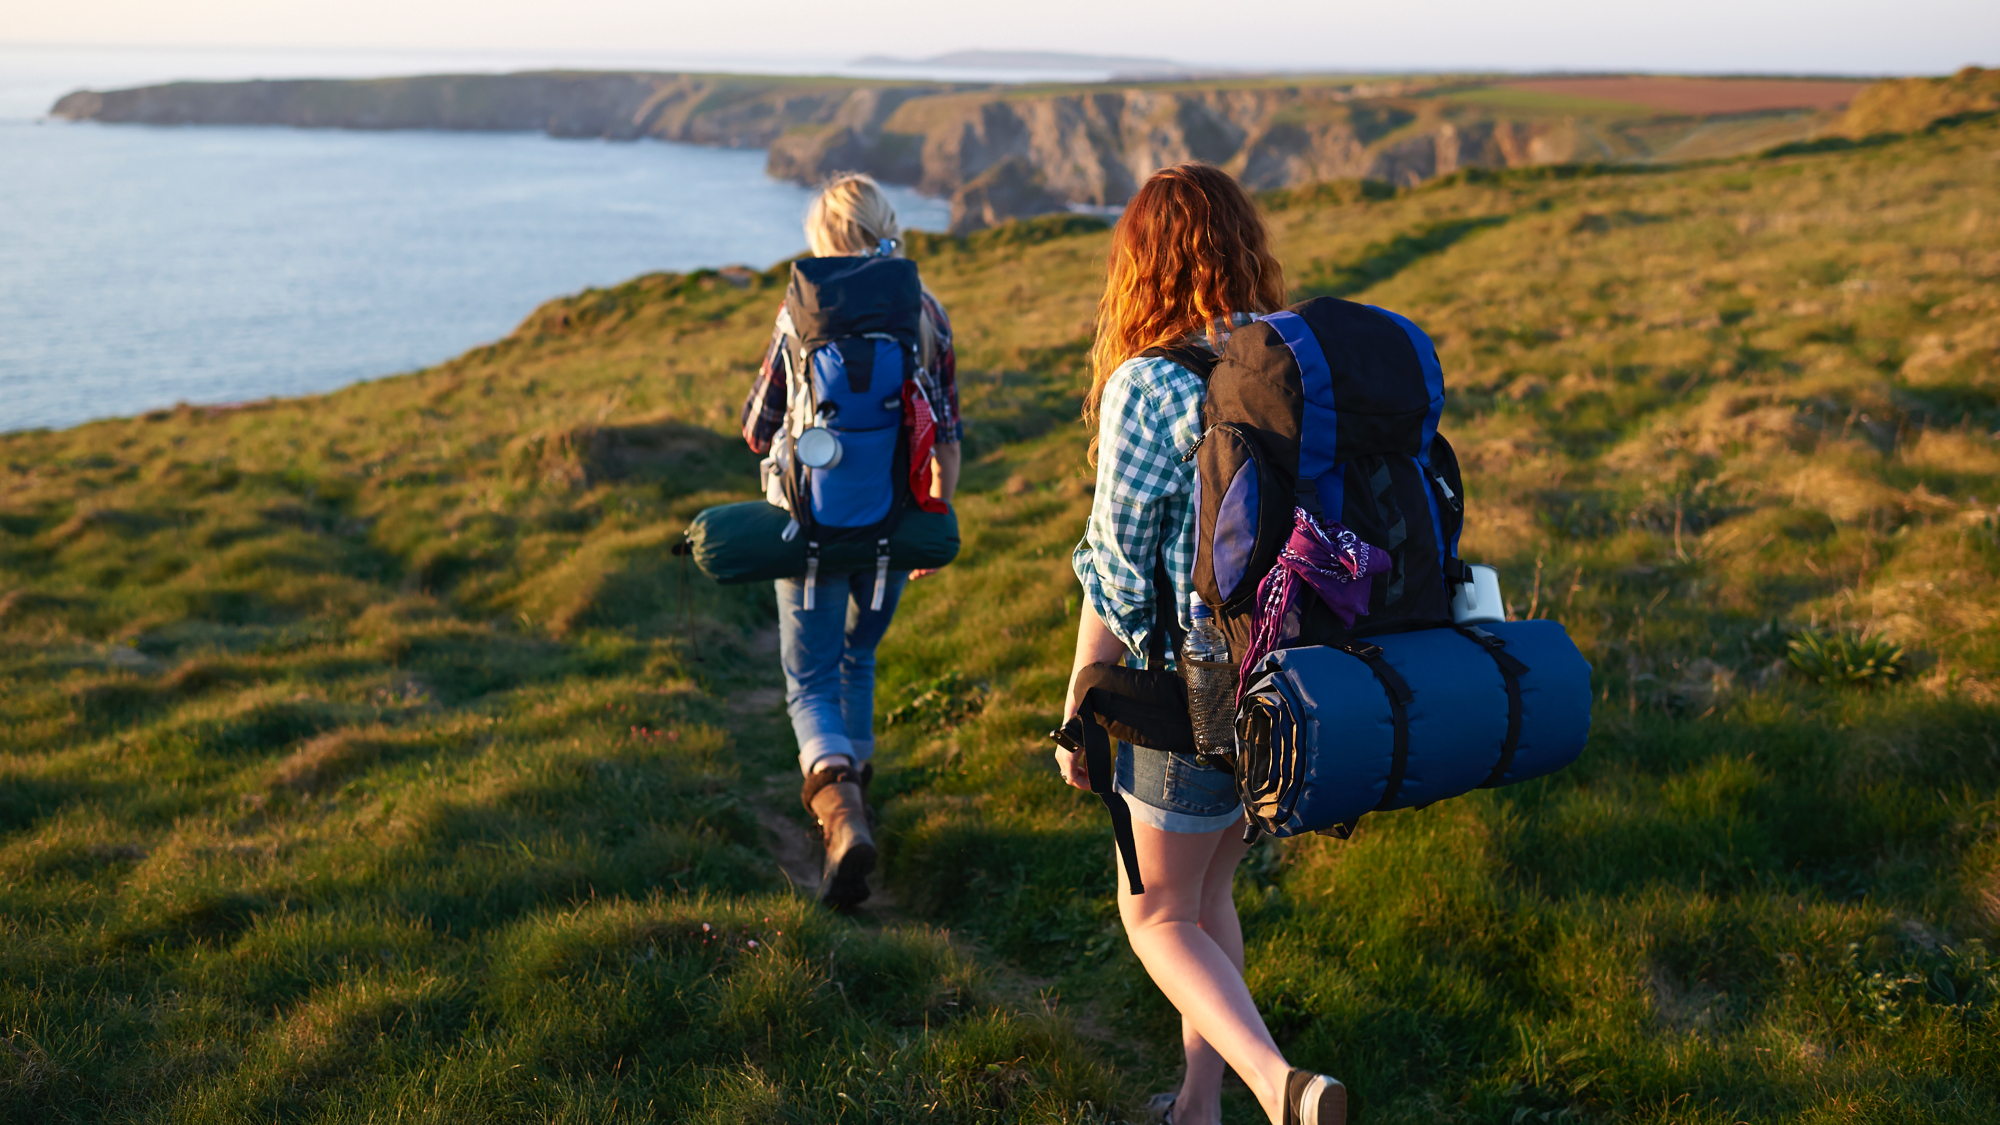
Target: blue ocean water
140,266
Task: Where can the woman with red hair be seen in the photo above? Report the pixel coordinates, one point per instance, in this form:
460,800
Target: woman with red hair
1189,261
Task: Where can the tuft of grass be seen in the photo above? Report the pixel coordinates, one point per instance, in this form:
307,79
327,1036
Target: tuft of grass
1856,659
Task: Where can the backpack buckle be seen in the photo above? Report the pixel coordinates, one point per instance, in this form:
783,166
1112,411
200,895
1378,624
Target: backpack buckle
881,572
1482,636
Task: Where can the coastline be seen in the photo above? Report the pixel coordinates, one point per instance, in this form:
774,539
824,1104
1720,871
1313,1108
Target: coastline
1007,152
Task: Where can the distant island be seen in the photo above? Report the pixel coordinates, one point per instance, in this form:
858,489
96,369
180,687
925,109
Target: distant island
1120,66
1002,152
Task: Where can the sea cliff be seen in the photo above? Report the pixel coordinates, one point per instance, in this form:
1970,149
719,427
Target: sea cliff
998,153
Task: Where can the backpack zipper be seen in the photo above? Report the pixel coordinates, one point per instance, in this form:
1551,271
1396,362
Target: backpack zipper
1196,447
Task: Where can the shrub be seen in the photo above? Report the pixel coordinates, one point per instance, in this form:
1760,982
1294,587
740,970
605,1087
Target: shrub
1865,659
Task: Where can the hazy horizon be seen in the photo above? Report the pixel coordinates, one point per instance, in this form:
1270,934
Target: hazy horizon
481,60
1835,37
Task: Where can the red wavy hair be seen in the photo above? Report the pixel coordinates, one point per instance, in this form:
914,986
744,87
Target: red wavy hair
1189,249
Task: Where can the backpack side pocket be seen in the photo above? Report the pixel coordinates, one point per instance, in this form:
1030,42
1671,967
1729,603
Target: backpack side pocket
1243,516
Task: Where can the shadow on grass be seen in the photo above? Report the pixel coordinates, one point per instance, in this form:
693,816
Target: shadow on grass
1384,260
26,800
214,919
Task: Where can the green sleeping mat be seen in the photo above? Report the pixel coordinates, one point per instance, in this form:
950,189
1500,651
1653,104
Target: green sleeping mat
737,543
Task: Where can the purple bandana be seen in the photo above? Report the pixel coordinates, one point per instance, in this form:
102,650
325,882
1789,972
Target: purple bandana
1328,558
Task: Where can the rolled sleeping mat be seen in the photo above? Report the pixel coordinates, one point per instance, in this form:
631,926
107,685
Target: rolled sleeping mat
1322,740
739,543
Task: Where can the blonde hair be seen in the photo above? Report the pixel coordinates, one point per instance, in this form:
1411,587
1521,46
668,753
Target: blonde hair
850,216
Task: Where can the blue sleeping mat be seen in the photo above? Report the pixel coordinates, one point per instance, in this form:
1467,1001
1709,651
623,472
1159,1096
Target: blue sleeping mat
1321,743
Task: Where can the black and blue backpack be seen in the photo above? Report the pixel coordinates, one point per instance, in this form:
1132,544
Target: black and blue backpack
1332,407
847,482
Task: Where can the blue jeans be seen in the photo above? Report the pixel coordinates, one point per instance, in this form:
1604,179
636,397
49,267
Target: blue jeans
829,658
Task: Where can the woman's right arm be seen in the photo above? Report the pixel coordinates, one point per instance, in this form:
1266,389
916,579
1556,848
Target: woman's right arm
1115,560
951,428
945,482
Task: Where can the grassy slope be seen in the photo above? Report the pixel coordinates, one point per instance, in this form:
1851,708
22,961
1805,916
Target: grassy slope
358,761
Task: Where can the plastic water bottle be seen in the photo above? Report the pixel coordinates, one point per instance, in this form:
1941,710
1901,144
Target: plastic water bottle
1211,681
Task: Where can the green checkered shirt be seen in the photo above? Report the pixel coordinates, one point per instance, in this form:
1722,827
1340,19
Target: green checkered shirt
1149,417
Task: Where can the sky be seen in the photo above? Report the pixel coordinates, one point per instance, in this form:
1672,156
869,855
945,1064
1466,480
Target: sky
1689,36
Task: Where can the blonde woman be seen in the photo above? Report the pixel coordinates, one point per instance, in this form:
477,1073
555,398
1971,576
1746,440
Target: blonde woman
827,641
1188,262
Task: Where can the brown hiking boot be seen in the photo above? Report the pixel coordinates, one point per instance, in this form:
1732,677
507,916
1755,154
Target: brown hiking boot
834,798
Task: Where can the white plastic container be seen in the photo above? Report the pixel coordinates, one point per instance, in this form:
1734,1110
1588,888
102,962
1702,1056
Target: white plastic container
1478,602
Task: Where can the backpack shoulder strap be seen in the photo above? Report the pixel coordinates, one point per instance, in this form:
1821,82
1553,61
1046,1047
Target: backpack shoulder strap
1188,354
1167,632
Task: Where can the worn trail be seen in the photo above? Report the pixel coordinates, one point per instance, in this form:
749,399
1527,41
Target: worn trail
793,842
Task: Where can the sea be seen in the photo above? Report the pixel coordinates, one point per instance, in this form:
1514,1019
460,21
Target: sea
146,266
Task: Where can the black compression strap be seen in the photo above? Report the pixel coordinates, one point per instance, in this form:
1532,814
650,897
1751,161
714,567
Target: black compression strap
1511,670
1305,494
1097,759
1167,632
1400,695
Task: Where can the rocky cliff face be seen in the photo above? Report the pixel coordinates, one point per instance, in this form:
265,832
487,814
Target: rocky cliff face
1097,146
997,153
726,110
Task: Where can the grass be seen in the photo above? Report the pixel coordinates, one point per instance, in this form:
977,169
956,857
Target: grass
359,759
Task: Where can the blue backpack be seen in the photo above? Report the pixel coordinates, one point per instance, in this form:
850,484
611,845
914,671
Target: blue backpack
1332,407
856,446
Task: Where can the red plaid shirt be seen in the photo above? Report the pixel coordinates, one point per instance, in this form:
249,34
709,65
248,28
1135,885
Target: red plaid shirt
764,410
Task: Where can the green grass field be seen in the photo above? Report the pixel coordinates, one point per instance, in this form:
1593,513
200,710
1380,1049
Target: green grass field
363,758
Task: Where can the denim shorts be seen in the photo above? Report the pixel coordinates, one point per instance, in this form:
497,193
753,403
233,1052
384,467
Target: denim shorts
1169,792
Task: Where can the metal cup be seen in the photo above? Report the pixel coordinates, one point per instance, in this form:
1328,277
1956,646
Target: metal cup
819,448
1478,602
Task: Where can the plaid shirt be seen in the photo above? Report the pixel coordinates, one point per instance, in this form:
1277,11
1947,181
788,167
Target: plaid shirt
1149,417
764,410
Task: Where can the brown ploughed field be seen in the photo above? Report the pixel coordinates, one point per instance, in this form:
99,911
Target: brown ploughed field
1701,95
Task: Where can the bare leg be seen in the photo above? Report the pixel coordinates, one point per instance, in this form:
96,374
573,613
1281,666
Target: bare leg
1201,971
1199,1101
